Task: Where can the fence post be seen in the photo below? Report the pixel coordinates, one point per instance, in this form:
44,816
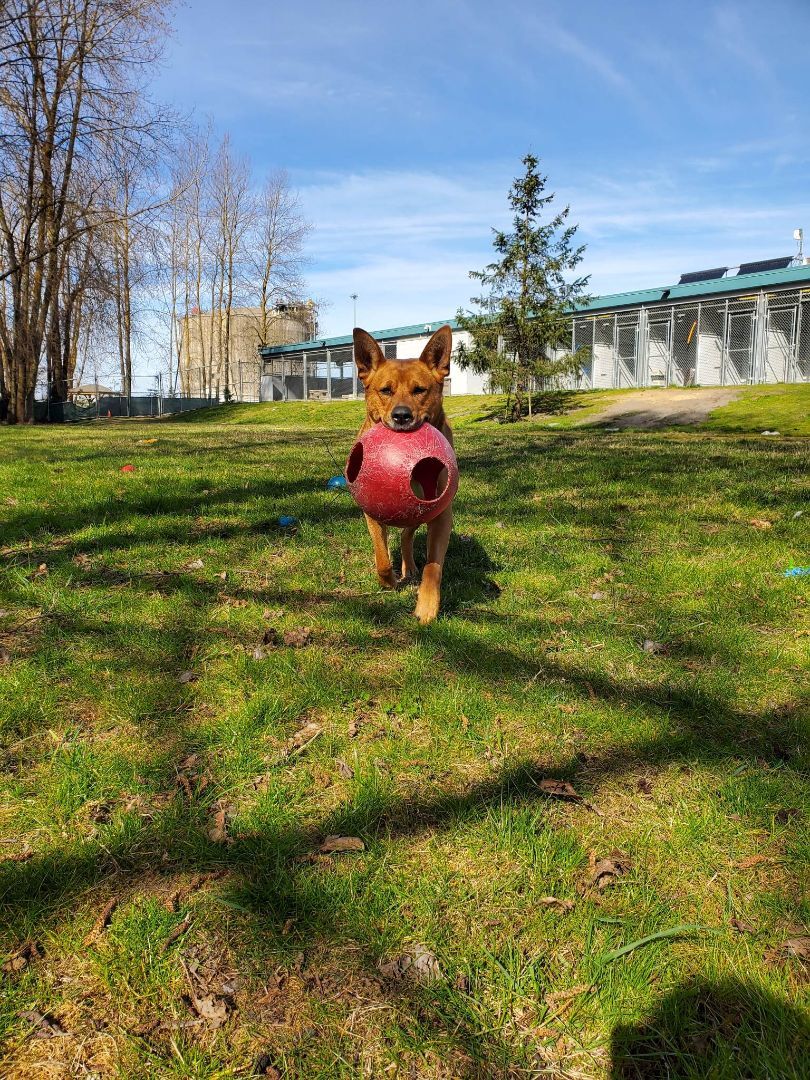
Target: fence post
354,376
306,379
329,374
759,343
643,349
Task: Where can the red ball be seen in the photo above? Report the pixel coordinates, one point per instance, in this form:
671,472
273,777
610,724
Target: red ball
385,466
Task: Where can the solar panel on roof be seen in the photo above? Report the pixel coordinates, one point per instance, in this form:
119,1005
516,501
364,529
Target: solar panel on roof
765,264
703,275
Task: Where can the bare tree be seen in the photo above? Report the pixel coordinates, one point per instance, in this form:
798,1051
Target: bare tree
277,247
72,88
232,209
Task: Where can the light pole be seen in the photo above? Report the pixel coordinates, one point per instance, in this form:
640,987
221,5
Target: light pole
353,297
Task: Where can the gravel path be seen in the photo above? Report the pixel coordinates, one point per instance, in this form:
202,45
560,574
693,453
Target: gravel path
662,408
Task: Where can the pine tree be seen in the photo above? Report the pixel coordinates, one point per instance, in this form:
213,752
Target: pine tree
524,312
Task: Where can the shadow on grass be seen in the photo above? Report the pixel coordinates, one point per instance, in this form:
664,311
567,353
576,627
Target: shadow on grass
543,403
269,881
714,1029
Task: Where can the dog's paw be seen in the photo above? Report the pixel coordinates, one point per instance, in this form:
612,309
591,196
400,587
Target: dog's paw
388,579
426,610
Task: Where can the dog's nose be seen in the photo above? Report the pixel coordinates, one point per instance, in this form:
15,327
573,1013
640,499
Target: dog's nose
401,414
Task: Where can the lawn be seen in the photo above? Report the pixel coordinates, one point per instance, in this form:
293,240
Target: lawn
602,739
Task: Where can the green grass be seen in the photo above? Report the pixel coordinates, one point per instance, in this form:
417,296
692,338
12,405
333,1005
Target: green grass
785,409
571,549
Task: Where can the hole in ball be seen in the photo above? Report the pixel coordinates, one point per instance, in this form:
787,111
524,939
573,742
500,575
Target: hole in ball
355,463
429,479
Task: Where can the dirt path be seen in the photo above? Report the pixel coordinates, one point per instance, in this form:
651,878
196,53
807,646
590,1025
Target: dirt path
662,408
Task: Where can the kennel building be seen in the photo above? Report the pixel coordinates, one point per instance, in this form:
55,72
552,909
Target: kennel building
719,327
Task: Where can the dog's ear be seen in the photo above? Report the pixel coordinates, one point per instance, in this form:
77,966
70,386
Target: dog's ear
436,354
367,354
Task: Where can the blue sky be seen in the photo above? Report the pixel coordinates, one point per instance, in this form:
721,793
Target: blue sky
678,133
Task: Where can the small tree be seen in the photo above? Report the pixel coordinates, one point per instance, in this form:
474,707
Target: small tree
523,316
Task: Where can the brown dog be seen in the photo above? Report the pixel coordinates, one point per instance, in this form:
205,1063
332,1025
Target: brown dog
403,395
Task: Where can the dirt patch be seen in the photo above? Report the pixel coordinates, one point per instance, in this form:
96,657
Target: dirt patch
662,408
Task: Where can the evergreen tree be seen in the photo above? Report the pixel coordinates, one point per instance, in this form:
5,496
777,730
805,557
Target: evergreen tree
524,312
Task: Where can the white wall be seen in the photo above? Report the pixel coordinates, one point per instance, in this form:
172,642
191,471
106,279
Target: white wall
461,382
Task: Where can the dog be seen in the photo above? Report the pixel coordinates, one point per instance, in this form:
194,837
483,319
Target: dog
403,395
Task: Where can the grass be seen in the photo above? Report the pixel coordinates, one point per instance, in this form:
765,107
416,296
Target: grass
149,707
766,408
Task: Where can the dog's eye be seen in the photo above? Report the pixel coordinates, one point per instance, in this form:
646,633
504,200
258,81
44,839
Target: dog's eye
419,390
387,390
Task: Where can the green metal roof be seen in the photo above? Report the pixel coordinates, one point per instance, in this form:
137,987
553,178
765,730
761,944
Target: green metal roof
415,330
697,290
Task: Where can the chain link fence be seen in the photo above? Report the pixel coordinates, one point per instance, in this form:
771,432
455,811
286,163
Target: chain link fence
150,396
320,374
762,338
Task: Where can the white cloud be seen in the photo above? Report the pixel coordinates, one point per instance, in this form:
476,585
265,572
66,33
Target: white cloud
405,241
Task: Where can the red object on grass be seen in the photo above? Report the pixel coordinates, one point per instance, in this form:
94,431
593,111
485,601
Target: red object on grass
402,478
127,468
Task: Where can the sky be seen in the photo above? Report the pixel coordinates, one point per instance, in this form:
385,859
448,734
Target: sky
679,134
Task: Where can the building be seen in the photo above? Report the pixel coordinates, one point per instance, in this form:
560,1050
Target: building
202,346
720,327
325,369
714,328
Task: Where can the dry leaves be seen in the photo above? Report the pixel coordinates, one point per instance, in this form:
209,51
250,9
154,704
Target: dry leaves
553,901
761,523
263,1066
213,1010
742,927
186,677
344,770
190,778
418,963
22,957
752,860
654,648
218,830
559,789
271,639
46,1026
302,738
334,845
644,785
195,564
606,871
797,947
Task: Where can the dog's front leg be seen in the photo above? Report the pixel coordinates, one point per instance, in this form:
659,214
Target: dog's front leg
430,591
409,571
382,557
